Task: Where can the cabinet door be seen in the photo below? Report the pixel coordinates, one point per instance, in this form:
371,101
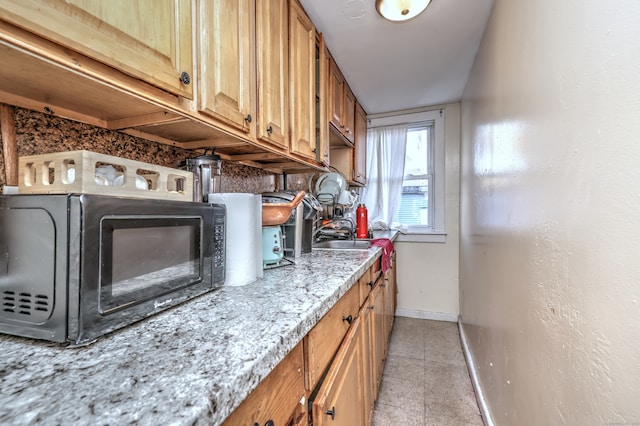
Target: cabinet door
390,292
368,373
387,313
324,339
227,79
272,41
277,397
148,39
339,400
349,114
360,150
336,95
378,334
322,101
302,56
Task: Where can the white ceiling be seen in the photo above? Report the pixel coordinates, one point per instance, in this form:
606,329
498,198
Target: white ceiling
396,66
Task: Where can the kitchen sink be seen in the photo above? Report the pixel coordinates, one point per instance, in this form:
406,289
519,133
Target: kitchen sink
342,245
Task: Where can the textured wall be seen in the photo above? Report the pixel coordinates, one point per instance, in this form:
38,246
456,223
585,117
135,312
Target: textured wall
550,207
40,134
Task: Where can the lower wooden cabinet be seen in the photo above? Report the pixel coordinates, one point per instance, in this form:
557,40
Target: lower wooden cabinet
365,284
340,399
337,367
368,380
390,297
277,398
325,338
347,393
378,335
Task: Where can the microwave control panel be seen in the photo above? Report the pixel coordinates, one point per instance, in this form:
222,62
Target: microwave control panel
219,231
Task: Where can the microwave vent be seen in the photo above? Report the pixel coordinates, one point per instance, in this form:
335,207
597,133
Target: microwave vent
24,304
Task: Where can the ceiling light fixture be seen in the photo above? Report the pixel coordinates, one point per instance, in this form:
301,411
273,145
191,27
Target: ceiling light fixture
401,10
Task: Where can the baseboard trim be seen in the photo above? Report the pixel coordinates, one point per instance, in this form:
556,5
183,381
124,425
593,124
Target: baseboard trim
482,402
437,316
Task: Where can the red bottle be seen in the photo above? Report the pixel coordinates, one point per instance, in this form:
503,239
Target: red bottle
362,222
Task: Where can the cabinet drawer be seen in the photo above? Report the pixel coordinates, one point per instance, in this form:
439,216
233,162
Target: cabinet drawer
323,340
276,397
365,284
376,269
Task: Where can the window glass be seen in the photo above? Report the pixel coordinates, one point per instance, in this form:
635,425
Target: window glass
416,205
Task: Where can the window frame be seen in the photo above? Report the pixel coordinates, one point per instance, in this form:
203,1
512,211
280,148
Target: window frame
437,232
427,126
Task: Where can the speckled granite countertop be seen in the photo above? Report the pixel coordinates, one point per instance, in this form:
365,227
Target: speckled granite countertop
192,364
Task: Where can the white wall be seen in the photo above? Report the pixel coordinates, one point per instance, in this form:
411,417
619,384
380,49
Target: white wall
428,272
550,213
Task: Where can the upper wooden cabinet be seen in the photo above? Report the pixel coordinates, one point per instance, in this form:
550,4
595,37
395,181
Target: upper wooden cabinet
336,90
235,75
302,86
322,101
341,104
272,40
360,148
147,39
349,113
226,60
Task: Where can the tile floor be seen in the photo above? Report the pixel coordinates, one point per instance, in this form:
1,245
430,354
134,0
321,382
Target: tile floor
425,379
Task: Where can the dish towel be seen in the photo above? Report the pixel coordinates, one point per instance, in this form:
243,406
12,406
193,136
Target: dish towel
387,249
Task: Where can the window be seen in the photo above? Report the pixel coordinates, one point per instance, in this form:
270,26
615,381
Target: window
416,207
421,208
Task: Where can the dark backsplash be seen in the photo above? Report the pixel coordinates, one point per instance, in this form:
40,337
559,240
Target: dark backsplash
38,133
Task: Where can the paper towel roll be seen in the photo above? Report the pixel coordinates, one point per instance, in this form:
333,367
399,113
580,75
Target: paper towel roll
244,237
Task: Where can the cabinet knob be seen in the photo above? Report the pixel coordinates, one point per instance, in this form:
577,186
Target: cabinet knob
185,78
248,118
348,319
269,423
370,284
331,413
269,129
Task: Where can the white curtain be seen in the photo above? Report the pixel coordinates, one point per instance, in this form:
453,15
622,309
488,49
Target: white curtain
386,147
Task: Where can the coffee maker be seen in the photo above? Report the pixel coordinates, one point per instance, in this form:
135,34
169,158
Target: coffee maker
298,229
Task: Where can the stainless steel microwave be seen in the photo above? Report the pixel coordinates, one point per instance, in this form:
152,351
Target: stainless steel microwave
75,267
